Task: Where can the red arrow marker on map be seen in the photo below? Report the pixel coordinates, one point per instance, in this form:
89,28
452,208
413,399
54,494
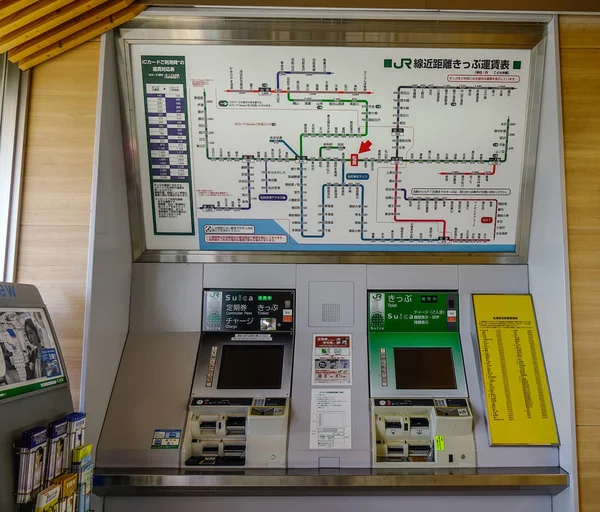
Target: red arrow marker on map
365,146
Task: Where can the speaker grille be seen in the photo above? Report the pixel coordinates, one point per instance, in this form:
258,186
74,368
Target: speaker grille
330,313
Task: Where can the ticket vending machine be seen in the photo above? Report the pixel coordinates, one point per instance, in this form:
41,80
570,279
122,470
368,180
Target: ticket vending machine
420,413
239,406
351,165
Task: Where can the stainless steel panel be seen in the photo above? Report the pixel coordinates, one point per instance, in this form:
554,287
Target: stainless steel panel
151,392
133,482
413,277
166,297
274,276
299,453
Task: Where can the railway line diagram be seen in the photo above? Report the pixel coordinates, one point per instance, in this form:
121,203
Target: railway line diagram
337,149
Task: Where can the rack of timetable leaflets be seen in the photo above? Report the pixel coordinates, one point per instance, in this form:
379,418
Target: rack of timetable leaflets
55,467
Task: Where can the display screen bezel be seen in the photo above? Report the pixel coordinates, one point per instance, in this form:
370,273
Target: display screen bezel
228,350
431,382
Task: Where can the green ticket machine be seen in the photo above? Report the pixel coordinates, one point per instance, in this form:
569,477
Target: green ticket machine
420,412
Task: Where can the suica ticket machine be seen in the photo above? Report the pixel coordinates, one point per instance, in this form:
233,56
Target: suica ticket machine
240,401
420,413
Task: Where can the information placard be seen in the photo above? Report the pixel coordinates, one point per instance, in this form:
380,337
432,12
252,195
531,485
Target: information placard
291,148
29,359
331,419
518,401
332,359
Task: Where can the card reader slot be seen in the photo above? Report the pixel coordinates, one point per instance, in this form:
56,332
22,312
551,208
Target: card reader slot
236,425
418,449
234,450
208,425
419,422
396,451
393,425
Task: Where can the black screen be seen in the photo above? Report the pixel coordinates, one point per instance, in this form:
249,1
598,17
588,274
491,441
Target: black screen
424,368
251,367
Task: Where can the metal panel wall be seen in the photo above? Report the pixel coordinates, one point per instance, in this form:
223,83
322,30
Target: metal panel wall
109,260
299,454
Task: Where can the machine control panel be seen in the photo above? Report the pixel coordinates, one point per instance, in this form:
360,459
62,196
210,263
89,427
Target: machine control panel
248,311
383,362
412,311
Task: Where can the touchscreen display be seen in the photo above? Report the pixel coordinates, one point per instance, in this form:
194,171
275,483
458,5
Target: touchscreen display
424,368
251,367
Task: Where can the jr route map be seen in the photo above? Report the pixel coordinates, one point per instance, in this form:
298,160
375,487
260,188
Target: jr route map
280,148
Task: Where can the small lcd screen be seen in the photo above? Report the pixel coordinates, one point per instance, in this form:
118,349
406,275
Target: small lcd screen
251,367
424,368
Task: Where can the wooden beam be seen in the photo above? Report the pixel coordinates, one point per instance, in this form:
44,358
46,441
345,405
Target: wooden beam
82,36
66,29
9,7
30,14
47,23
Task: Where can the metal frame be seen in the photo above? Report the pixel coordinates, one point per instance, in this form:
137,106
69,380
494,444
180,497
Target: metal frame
14,89
343,27
345,482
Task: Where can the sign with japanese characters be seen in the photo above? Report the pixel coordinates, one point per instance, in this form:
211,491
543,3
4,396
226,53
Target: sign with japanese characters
413,311
331,419
332,359
517,395
168,145
292,148
261,311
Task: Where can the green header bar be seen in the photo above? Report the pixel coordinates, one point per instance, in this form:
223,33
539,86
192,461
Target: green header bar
29,388
413,311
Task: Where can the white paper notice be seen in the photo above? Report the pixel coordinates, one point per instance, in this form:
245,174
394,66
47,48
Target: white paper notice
330,419
332,355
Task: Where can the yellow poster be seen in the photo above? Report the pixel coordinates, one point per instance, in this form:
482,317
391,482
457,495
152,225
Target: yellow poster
518,401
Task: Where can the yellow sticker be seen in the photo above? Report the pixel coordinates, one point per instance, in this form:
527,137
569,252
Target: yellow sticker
439,443
518,401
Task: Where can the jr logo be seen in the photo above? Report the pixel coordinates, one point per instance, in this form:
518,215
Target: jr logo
404,63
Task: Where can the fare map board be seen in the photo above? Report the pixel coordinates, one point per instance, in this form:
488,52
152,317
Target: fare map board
519,406
280,148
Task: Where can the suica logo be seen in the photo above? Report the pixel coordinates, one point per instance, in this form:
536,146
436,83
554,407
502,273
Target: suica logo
404,63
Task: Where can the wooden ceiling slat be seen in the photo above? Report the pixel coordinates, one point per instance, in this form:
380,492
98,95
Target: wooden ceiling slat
46,23
71,27
9,7
82,36
30,14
